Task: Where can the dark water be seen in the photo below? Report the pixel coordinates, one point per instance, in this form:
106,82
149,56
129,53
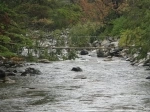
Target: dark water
110,86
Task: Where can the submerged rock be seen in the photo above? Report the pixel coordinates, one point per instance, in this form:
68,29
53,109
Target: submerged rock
80,77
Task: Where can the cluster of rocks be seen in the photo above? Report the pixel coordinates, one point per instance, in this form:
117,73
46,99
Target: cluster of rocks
10,69
109,48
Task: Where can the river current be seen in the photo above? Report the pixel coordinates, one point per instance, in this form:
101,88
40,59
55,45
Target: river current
108,86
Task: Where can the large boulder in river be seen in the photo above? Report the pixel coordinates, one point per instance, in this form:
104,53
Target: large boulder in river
76,69
84,52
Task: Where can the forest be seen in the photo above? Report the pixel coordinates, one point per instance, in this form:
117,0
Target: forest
127,20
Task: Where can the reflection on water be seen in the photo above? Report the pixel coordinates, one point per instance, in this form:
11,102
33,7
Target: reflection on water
113,86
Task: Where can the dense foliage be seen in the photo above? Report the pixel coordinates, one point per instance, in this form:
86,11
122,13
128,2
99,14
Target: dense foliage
12,37
133,26
19,17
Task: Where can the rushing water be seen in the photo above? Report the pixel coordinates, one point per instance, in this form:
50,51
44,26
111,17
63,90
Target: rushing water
110,86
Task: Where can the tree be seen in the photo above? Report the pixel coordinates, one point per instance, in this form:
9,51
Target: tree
98,10
11,36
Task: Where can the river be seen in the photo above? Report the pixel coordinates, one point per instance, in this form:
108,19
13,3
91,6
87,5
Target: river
109,86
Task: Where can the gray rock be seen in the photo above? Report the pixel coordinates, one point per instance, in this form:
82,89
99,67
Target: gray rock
76,69
84,52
